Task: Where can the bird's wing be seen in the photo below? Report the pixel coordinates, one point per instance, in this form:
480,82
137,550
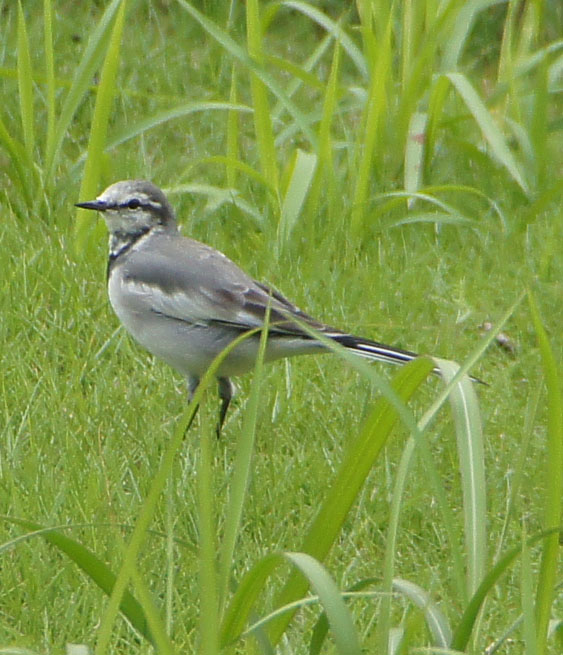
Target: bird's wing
191,282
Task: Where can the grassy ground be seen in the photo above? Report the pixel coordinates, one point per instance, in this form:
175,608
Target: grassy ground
87,417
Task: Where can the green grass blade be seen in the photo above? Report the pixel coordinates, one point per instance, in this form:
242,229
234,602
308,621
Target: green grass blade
339,34
232,163
520,465
314,574
436,620
358,461
208,578
526,585
158,119
324,182
232,132
438,218
368,372
250,587
385,612
240,55
462,632
262,115
539,126
242,470
217,196
478,351
337,613
373,116
92,566
25,85
490,131
310,64
461,31
98,129
438,93
408,38
371,28
469,434
157,624
294,71
21,161
148,508
544,200
448,213
320,630
180,111
553,480
506,62
145,516
81,82
49,76
491,203
416,441
300,179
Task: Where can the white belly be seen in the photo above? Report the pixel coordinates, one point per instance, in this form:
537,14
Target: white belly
190,348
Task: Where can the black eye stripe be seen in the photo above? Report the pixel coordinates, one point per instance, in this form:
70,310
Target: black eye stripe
135,203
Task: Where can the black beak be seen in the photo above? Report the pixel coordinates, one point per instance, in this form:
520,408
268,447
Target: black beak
94,204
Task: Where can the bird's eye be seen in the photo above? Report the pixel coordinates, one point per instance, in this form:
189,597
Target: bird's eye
134,203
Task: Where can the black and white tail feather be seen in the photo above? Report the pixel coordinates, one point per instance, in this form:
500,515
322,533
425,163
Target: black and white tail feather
373,350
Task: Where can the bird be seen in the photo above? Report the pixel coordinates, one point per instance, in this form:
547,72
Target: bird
185,301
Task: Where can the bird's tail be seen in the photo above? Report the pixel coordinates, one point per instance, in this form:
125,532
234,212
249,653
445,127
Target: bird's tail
380,352
373,349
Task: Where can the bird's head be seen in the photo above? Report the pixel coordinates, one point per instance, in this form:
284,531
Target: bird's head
133,206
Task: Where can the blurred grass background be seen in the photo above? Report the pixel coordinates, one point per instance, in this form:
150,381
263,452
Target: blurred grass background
396,169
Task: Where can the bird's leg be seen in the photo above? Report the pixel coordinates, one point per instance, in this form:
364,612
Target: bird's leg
192,386
226,391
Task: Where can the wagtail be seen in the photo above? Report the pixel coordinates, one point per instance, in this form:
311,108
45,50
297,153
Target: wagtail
185,301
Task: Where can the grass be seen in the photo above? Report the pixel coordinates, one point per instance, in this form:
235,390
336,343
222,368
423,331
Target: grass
395,169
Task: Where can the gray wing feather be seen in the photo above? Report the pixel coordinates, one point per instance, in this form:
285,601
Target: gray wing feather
189,281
